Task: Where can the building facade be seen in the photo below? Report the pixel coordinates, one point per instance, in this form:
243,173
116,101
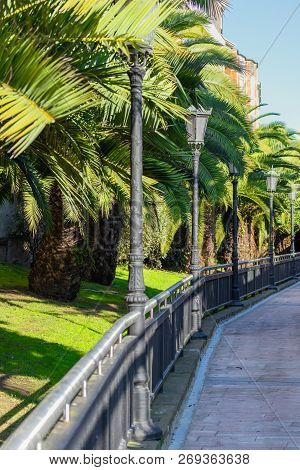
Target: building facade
248,78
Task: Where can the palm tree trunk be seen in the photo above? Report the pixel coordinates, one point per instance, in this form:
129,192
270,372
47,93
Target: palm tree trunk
107,232
225,251
248,248
179,255
208,254
247,245
57,268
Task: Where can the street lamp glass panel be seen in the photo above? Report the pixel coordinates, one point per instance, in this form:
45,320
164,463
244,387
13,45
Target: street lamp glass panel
197,125
272,180
233,171
293,195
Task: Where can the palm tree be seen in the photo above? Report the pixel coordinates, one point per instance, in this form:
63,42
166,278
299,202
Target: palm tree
78,140
160,111
273,145
44,98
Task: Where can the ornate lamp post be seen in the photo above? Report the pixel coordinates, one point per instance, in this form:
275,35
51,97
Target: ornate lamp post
272,180
196,129
292,198
236,298
136,298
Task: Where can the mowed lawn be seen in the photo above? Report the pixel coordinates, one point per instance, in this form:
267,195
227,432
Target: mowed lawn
40,340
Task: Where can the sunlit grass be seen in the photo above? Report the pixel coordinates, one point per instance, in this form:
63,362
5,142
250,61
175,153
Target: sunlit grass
40,340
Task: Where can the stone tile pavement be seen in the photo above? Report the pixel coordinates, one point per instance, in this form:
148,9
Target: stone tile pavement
251,394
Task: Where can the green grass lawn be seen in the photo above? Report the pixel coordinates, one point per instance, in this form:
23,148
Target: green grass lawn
40,339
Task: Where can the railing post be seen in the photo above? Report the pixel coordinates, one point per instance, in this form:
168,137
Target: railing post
236,298
136,298
195,265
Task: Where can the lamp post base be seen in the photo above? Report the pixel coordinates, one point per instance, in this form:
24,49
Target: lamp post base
275,288
148,432
199,335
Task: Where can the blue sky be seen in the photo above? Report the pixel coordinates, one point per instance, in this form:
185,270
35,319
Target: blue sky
252,25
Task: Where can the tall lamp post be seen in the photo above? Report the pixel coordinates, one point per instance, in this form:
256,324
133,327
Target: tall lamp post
272,180
136,298
236,298
292,198
196,129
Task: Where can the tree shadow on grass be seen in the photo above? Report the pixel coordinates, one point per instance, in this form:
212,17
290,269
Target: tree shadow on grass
23,355
103,311
121,285
109,318
33,358
92,296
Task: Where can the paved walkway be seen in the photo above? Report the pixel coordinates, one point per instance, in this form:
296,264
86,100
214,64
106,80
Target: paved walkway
251,393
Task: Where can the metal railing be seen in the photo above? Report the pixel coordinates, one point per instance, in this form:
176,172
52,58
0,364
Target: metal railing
92,406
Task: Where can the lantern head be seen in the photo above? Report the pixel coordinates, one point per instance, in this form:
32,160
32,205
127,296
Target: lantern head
197,124
272,180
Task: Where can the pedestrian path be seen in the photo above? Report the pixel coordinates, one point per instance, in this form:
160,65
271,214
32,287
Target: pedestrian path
250,392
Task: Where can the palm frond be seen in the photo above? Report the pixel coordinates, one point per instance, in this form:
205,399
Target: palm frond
35,91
